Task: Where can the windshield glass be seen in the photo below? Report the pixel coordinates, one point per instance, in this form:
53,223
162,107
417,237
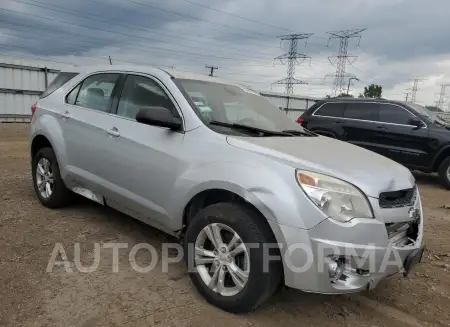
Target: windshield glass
235,105
423,111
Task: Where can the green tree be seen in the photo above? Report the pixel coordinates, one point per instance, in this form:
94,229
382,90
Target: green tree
345,95
373,91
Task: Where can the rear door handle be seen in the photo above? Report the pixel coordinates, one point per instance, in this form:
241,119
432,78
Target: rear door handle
381,127
113,132
65,115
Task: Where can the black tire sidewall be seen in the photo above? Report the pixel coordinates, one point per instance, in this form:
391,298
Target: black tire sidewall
443,168
59,194
249,229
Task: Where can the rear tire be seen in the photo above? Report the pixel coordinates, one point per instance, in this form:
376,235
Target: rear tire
444,173
48,184
251,229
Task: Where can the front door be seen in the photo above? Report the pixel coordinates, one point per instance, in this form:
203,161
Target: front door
402,142
143,161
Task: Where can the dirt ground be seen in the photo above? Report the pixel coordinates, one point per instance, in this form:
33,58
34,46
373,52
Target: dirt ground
29,296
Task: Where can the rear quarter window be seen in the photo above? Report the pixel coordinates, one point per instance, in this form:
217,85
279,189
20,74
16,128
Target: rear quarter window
331,109
59,81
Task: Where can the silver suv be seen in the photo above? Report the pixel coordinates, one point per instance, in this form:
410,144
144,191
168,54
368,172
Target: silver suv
258,200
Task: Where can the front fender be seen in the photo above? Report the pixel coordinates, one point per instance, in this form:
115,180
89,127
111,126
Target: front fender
273,192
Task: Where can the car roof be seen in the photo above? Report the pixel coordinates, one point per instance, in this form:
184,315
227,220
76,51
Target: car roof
350,99
152,70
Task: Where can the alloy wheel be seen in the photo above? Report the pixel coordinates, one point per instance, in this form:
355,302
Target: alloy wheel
44,178
222,259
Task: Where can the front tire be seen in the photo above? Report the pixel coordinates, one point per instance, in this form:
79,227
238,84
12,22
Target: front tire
444,173
225,246
48,184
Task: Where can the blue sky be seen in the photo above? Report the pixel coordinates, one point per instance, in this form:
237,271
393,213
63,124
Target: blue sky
405,39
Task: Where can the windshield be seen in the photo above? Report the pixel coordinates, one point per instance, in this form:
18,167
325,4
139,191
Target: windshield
215,102
423,111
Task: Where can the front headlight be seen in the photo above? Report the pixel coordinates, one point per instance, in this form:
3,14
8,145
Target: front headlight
338,199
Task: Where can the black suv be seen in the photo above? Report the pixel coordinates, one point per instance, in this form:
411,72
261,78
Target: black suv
405,132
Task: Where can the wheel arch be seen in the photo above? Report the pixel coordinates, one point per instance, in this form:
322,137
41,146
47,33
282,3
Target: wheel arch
47,131
440,157
212,196
39,141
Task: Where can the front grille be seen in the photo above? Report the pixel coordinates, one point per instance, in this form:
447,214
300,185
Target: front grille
397,199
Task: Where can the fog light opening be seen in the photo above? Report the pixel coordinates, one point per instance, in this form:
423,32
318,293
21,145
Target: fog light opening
335,269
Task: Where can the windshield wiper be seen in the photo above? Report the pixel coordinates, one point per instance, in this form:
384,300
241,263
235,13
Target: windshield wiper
249,128
298,133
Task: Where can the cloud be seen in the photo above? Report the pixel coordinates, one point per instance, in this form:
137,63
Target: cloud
405,39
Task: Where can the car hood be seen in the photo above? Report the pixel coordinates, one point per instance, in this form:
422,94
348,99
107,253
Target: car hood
370,172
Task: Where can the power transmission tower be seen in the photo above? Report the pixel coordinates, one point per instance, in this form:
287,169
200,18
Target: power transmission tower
414,89
343,57
212,68
440,102
292,58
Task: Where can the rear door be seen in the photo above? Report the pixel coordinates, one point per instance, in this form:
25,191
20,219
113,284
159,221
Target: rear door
327,119
401,141
85,122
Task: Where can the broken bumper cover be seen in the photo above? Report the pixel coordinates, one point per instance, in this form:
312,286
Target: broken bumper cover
339,258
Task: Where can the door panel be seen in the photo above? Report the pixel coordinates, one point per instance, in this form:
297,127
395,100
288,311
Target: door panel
87,144
144,160
401,142
360,124
406,145
142,167
85,119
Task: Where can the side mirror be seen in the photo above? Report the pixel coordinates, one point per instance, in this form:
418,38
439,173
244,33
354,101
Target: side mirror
158,116
416,122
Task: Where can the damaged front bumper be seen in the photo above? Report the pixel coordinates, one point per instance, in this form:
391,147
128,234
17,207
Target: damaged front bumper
335,257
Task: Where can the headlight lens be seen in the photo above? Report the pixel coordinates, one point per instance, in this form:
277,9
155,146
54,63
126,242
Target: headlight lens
338,199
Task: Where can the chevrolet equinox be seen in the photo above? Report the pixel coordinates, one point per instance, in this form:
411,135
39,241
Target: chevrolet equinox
258,200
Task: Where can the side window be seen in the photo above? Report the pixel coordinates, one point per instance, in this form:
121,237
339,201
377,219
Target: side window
95,92
362,111
72,96
331,109
394,114
140,91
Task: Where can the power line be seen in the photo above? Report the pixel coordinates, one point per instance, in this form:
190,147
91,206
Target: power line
292,59
163,10
235,15
134,36
342,57
98,18
200,19
153,48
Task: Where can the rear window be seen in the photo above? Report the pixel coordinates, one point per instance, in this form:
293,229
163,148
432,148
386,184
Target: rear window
331,109
59,81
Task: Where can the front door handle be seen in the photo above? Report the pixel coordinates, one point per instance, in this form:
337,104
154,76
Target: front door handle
65,115
381,127
113,132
